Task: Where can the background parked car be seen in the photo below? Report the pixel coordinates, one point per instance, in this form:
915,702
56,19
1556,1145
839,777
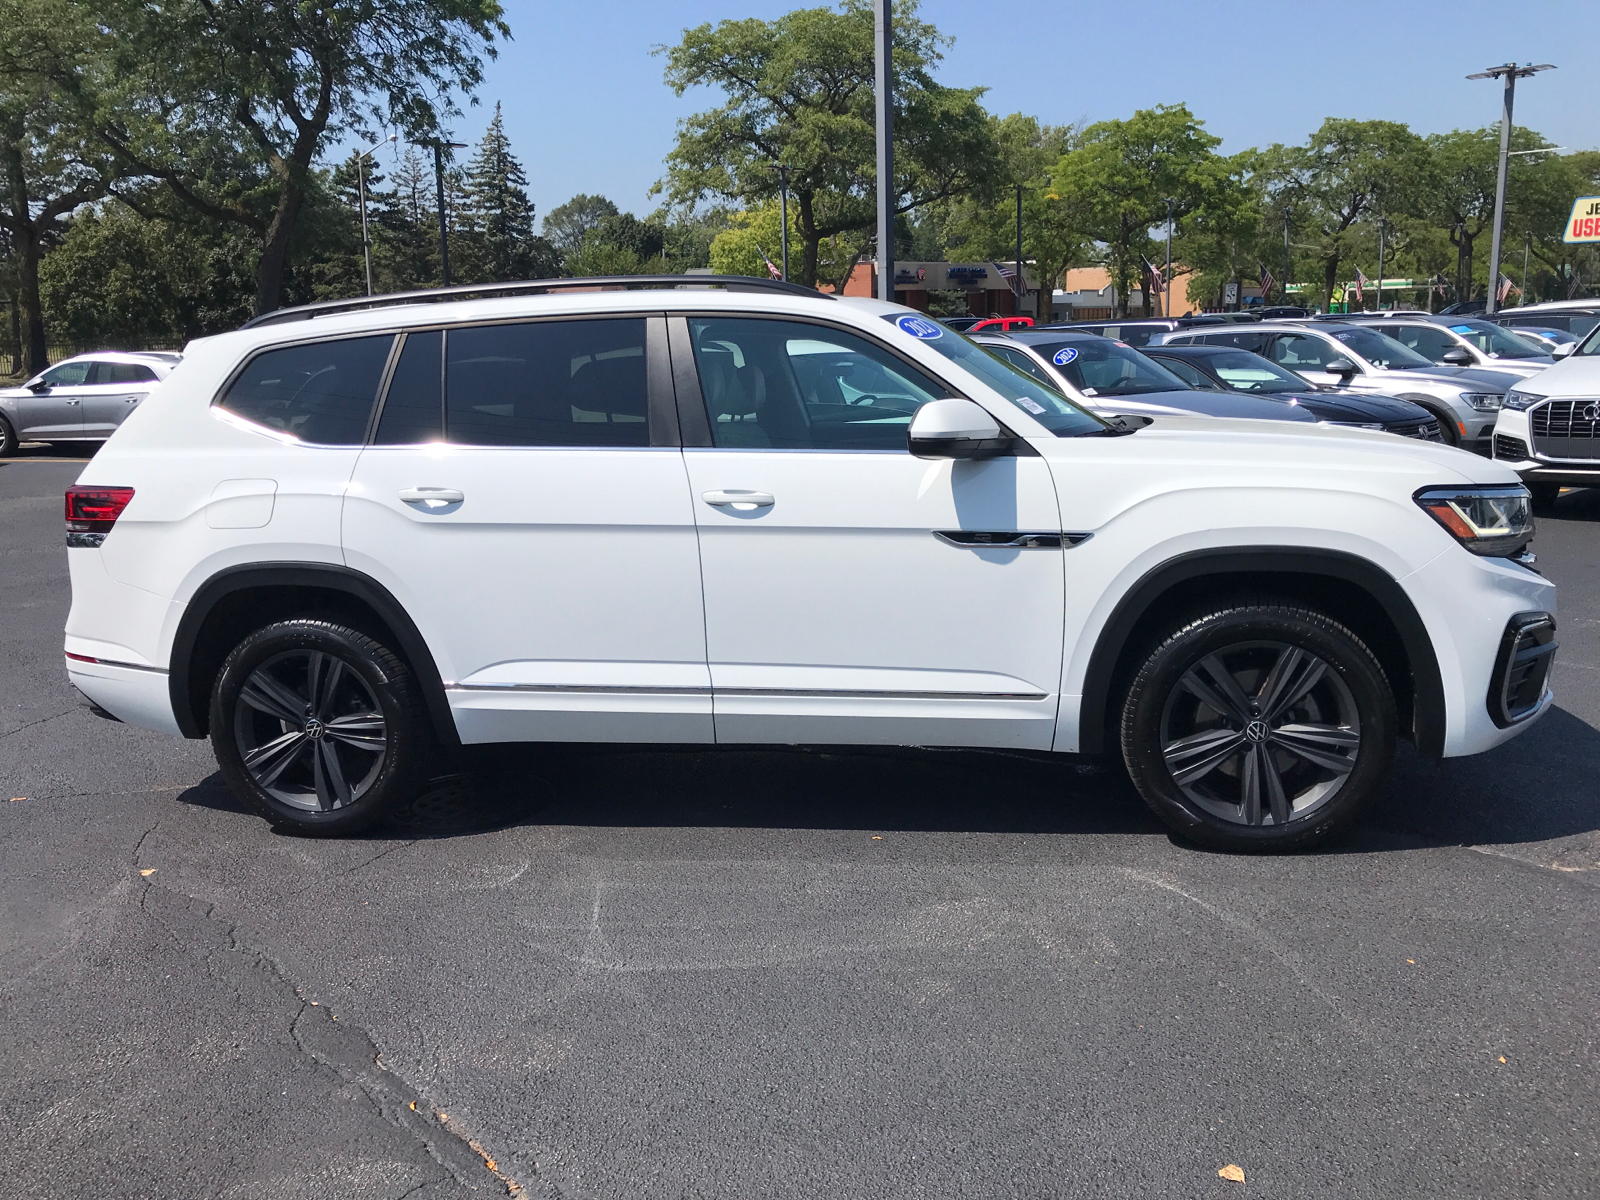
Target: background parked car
1002,324
1349,358
1138,331
960,324
1577,317
1549,427
1114,379
82,399
1461,341
1547,336
1224,368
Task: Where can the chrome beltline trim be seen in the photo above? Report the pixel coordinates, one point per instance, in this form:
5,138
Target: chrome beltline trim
841,693
106,662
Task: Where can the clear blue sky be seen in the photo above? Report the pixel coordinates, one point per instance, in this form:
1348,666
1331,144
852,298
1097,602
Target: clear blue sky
587,111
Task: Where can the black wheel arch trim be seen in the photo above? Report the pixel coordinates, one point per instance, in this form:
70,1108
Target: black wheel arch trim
1428,706
328,577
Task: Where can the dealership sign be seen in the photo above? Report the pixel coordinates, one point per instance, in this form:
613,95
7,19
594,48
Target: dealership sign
1584,223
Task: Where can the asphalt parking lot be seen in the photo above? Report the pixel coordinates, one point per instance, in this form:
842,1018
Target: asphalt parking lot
585,972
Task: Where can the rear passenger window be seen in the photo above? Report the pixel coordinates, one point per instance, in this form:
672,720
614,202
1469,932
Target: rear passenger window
116,372
547,383
413,411
322,392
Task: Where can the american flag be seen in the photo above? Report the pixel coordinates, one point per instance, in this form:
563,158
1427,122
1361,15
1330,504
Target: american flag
1574,285
772,267
1503,288
1361,282
1153,278
1008,273
1266,280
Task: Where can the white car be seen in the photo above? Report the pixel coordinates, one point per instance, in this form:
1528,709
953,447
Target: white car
347,538
80,399
1548,431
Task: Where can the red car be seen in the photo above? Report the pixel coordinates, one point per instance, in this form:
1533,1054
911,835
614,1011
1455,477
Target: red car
1001,324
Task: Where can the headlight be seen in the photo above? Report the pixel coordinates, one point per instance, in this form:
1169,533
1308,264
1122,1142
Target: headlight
1484,401
1520,401
1490,520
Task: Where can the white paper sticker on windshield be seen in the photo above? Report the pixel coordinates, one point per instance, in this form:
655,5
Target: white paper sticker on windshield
1031,405
1090,392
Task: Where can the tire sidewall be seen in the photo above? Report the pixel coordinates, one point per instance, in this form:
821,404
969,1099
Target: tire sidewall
8,438
404,758
1345,655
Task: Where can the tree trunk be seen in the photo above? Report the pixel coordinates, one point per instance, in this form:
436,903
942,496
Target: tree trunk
1330,276
810,239
16,336
275,249
27,251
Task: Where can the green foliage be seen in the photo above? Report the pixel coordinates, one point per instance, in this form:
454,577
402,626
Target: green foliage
497,219
567,225
799,91
738,249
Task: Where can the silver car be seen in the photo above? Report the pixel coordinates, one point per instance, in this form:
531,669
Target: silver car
1353,358
81,399
1463,342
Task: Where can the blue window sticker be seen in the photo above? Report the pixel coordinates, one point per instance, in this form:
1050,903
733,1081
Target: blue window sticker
1064,356
1461,329
920,327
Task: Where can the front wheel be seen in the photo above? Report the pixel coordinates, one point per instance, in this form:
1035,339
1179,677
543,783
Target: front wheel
1259,726
8,438
318,727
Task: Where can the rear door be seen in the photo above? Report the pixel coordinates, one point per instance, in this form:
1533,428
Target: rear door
525,500
853,593
114,389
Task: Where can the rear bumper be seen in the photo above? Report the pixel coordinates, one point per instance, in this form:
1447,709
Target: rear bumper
134,695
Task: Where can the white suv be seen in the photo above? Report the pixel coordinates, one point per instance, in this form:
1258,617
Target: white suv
347,538
1549,427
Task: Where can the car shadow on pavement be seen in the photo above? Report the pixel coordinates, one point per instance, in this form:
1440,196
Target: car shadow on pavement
1575,504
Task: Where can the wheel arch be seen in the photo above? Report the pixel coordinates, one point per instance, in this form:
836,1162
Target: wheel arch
234,602
1366,597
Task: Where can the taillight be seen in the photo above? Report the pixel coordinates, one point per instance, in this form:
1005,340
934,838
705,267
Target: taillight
92,511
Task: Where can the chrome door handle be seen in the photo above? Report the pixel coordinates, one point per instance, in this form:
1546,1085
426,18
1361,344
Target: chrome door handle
432,497
738,498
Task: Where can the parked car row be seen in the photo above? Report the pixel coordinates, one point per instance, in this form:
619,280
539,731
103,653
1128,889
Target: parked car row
80,399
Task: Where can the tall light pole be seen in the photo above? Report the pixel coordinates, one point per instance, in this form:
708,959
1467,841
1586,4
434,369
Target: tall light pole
1286,266
444,223
1510,72
1021,287
783,214
361,189
1383,228
883,80
1527,249
1166,303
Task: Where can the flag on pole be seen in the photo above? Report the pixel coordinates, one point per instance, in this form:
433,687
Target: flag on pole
1266,280
772,268
1152,277
1574,285
1361,282
1503,288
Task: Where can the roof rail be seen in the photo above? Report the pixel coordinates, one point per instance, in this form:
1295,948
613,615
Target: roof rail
532,287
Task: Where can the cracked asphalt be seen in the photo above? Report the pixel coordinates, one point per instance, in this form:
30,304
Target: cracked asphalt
592,972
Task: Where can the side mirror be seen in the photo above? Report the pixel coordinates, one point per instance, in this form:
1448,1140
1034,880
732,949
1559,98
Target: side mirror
1457,356
1563,350
37,386
1340,366
953,429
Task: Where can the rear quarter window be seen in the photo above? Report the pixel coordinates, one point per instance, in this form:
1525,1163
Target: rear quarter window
320,392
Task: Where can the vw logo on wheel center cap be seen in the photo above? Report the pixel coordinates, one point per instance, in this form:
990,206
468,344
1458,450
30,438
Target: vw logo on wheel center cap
315,729
1258,731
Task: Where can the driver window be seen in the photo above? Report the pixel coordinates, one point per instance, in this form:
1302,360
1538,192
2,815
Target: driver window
1188,374
67,374
797,386
1296,350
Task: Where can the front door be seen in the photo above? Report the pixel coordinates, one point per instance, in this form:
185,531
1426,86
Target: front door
56,409
114,389
853,593
530,511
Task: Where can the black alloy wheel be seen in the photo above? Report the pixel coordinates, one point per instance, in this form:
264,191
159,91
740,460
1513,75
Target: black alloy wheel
318,727
1260,726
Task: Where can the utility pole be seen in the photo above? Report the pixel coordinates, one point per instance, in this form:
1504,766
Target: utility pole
883,79
361,189
1527,249
1510,72
444,223
1166,302
1286,256
1383,227
783,214
1020,287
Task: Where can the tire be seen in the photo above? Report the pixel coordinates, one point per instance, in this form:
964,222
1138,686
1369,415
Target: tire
1544,495
1228,760
339,764
8,439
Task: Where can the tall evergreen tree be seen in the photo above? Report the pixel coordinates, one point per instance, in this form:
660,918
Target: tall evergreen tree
497,211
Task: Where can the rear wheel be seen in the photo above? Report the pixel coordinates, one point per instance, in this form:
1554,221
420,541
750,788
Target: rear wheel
1259,726
318,727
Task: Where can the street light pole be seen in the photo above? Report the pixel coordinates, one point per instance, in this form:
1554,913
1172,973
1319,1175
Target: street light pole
883,79
444,222
1166,303
1527,248
1510,72
1286,267
1020,287
1383,226
783,214
361,190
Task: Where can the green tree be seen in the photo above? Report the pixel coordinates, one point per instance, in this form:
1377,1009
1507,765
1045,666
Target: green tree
237,98
498,214
1123,173
738,249
567,225
622,244
799,91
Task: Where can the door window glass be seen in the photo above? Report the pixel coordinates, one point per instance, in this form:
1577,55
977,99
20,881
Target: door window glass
115,372
1429,342
1299,352
322,392
67,374
793,385
547,383
1188,374
1382,352
413,409
1022,362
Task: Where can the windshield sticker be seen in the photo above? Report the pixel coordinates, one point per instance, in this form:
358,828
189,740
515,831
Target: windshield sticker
1032,405
1461,329
1063,357
920,327
1090,392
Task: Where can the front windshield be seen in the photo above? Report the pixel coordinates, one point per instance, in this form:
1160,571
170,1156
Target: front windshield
1246,372
1046,405
1501,343
1590,346
1101,367
1382,351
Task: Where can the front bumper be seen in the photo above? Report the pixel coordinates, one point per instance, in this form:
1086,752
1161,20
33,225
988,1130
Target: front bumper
1526,450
